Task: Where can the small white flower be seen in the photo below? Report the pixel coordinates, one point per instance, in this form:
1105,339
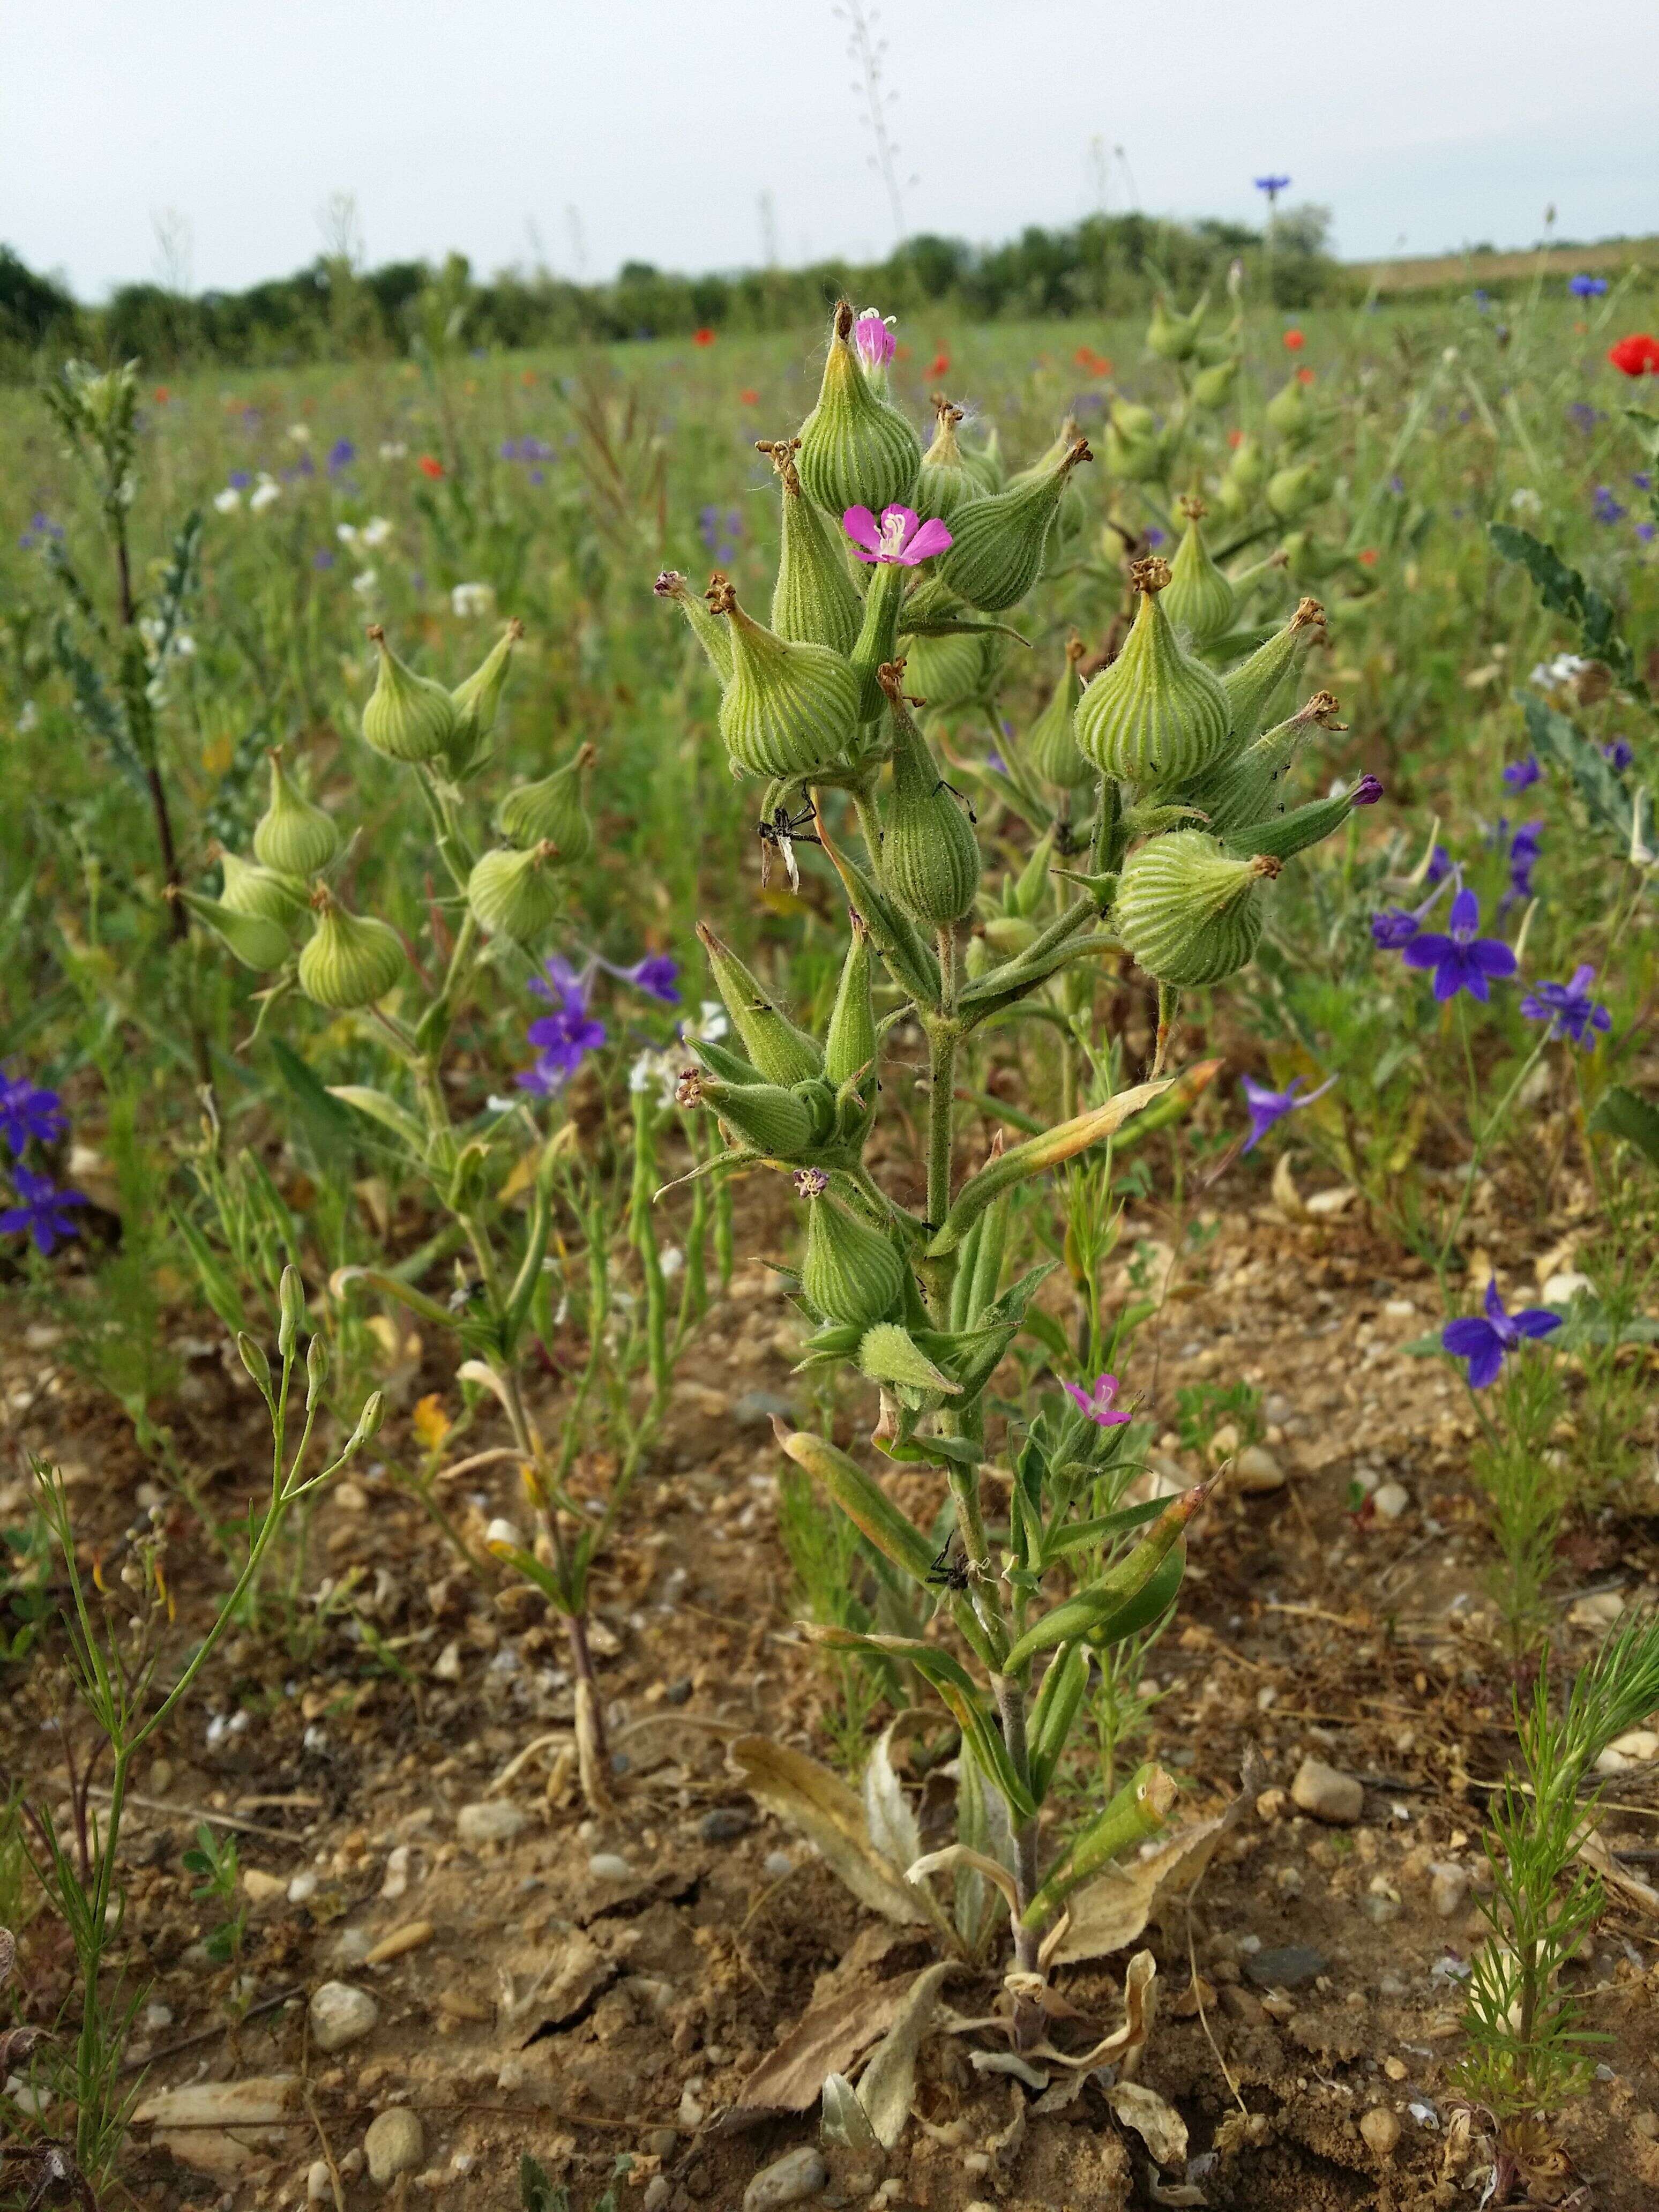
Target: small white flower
394,449
376,530
502,1536
184,646
346,533
1526,500
1555,675
29,716
299,433
265,494
364,582
1449,355
671,1261
228,500
710,1026
469,600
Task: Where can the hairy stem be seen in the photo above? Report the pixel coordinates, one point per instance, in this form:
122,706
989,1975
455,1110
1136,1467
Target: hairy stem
1010,1710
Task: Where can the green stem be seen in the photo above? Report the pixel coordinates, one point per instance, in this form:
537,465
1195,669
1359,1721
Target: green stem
1010,1710
1482,1145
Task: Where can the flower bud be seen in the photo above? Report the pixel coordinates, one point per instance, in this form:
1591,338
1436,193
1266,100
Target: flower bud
782,1053
850,1044
316,1371
946,481
856,449
477,699
713,636
850,1273
930,857
1252,686
814,600
291,1309
368,1421
1187,909
1290,413
888,1353
350,960
1050,749
408,717
511,894
1293,491
789,709
1212,386
291,836
781,1124
255,940
1199,600
1172,337
1155,716
1284,836
999,542
1241,790
261,892
253,1359
551,812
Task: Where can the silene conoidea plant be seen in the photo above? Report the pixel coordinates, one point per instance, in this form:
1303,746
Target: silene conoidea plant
1162,780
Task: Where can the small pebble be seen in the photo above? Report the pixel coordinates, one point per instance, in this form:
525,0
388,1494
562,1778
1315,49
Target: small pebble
777,1864
1326,1793
395,2144
1255,1471
1380,2129
1447,1888
302,1887
658,2190
495,1820
1390,1500
609,1866
1395,2069
1288,1966
340,2014
262,1889
319,2182
799,2174
679,1694
726,1824
397,1875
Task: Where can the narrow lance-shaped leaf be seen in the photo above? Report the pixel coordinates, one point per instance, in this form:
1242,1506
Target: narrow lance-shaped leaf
1091,1610
861,1498
956,1688
1035,1155
1137,1812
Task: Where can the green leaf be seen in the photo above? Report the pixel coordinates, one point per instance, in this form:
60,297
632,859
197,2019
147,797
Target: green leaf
386,1110
1621,1112
1035,1155
1565,592
333,1131
1607,800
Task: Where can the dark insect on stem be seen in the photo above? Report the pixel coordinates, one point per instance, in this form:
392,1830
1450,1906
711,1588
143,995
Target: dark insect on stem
782,832
950,1570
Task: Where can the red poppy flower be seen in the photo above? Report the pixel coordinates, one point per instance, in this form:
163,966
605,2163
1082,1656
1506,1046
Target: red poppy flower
1637,355
702,338
749,396
1294,341
430,465
162,395
1235,437
1096,363
1367,558
940,364
1305,376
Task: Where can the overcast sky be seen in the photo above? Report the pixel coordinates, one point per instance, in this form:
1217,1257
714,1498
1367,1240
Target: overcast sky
705,134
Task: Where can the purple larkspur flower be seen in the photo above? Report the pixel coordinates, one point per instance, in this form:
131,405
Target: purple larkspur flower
1462,960
657,974
1568,1007
1619,754
341,454
43,1212
901,539
26,1112
239,479
1524,849
1605,506
1394,927
324,559
1486,1340
565,1037
720,529
1268,1107
1096,1404
872,336
1522,774
1646,532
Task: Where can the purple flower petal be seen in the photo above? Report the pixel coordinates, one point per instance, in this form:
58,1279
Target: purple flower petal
1535,1321
863,529
931,538
1485,1367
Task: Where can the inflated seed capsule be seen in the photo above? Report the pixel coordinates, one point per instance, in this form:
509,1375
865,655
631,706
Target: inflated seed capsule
479,699
1212,386
292,835
985,462
350,960
930,857
408,717
769,1119
1001,541
1172,337
814,600
1294,491
1199,600
1050,748
850,1272
263,892
951,672
782,1053
1134,449
712,635
256,939
947,480
849,1042
1241,790
789,709
1290,413
512,895
1252,686
551,812
1155,716
856,449
1187,909
1073,507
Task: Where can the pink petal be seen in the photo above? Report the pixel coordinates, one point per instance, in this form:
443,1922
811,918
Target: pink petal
860,526
931,538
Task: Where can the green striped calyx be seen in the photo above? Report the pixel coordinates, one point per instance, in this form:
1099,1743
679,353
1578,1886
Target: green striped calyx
1155,716
783,1053
1050,748
550,811
850,1273
264,894
1241,790
856,449
292,836
814,600
849,1042
256,939
1252,686
930,857
1297,490
1290,413
999,542
953,671
790,710
711,635
478,701
1172,337
1199,600
1134,450
778,1122
408,717
1073,508
947,479
1212,386
1187,909
350,960
511,894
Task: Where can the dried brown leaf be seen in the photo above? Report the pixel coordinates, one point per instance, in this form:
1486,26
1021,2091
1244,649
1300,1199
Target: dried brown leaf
1109,1914
1158,2125
819,1805
890,2078
824,2040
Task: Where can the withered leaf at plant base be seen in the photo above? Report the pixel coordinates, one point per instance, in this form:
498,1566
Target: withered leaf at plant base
890,2080
824,2040
1158,2125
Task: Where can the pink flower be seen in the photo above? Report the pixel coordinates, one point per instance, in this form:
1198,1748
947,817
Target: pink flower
900,539
874,339
1097,1403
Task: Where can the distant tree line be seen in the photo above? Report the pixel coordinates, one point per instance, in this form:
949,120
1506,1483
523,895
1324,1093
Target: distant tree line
335,310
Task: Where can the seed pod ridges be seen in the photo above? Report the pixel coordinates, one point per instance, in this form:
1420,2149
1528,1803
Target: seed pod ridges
1050,749
849,1042
550,811
789,709
478,698
930,857
947,480
850,1273
1187,909
951,672
814,600
511,894
782,1053
350,960
1252,686
1199,600
856,449
292,835
408,717
263,893
1156,716
985,461
1297,490
999,542
1073,509
769,1119
711,635
1241,790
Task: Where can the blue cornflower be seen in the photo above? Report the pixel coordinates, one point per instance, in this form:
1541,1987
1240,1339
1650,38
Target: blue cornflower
1266,1107
1568,1007
26,1112
1587,288
341,454
1619,754
720,529
1605,506
1486,1342
1272,186
324,559
43,1212
240,479
1462,960
1583,414
1522,774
